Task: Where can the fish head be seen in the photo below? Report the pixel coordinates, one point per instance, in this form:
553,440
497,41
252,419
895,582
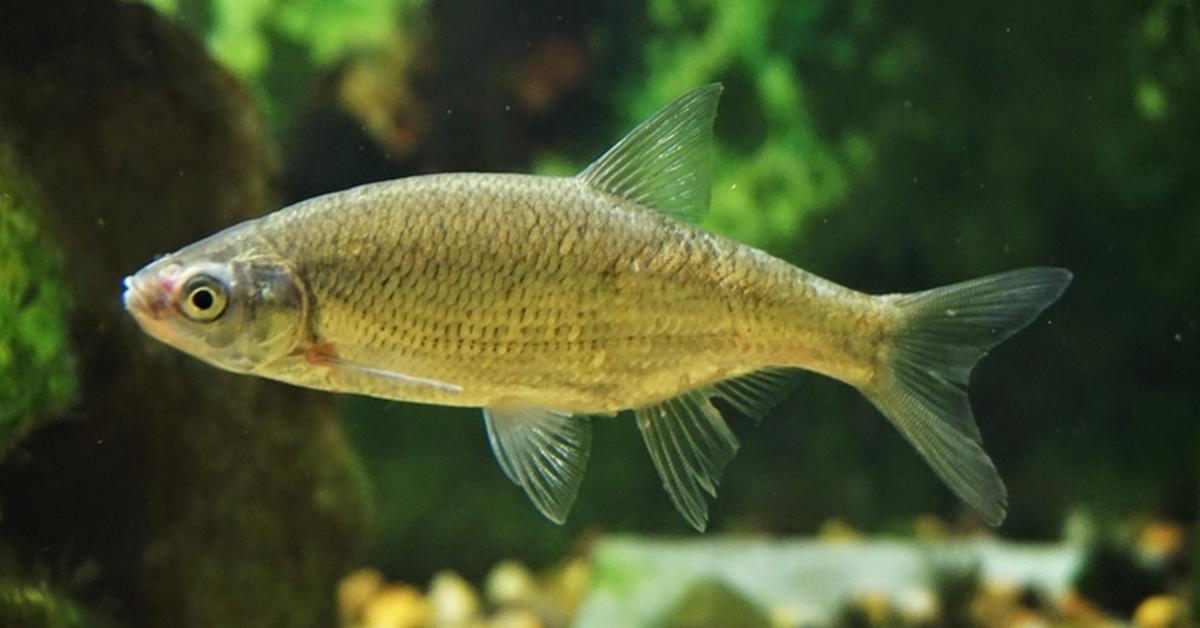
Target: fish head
228,300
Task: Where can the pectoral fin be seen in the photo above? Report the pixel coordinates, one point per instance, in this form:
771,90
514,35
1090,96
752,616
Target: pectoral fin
690,443
542,451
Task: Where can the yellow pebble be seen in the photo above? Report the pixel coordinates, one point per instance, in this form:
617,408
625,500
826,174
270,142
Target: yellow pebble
1161,539
931,529
515,618
1026,618
454,601
396,606
570,584
1076,609
1161,611
875,606
510,583
355,591
995,601
838,531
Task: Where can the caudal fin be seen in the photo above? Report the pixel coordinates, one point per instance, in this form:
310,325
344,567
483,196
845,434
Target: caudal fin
939,336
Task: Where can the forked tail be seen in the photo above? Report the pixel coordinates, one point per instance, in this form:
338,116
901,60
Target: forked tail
939,336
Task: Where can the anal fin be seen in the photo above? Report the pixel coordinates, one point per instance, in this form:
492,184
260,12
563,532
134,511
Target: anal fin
542,451
690,443
756,393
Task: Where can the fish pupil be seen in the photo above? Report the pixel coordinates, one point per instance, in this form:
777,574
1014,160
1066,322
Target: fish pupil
202,299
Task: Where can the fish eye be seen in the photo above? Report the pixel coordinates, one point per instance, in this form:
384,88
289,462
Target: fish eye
204,299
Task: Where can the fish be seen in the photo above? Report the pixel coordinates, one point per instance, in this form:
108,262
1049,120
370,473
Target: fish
551,302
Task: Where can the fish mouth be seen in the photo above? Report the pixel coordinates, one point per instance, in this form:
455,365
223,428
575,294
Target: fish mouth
137,303
149,309
132,298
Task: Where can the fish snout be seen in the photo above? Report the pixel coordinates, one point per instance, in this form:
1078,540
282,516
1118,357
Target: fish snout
143,302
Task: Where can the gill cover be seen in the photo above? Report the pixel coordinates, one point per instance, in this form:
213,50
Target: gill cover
268,307
228,299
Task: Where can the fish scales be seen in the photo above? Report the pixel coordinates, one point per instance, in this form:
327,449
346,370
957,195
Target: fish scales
527,289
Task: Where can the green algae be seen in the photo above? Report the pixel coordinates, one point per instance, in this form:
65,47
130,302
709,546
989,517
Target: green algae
36,375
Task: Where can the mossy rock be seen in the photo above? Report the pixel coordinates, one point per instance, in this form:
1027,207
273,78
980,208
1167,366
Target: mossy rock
36,377
201,498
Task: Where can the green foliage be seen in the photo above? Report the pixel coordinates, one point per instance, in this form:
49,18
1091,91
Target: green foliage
239,31
273,46
36,377
773,168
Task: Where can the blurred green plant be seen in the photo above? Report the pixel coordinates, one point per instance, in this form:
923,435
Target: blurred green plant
712,602
773,167
36,376
30,606
275,46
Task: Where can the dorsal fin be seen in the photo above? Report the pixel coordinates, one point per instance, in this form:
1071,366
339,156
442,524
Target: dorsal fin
666,162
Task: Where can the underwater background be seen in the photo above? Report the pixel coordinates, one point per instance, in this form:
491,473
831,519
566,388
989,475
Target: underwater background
889,147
